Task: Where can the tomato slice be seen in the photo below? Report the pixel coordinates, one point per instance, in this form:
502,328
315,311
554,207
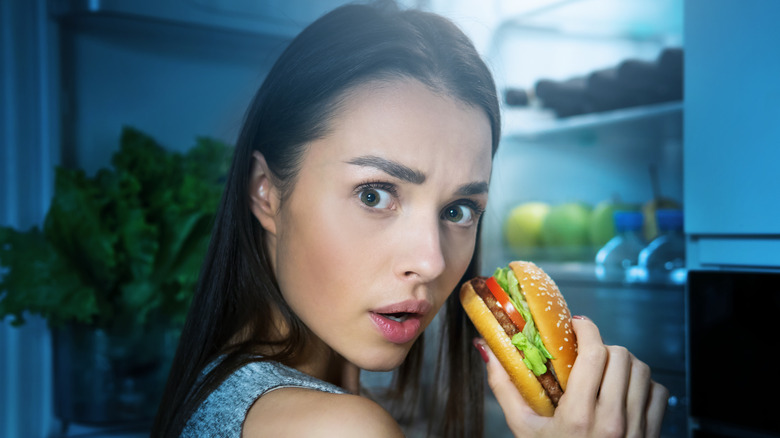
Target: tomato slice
503,299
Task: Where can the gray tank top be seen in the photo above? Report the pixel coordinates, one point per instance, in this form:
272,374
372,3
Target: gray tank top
222,413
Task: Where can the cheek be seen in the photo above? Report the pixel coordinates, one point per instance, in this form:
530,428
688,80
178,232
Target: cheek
322,253
458,251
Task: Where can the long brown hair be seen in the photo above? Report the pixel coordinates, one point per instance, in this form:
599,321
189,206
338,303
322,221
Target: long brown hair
301,94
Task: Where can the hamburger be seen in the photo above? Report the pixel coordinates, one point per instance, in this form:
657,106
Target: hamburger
522,316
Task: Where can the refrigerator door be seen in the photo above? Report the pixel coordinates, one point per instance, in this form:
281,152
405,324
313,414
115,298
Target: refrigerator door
731,133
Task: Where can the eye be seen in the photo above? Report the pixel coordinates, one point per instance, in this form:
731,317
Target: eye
375,197
457,213
462,214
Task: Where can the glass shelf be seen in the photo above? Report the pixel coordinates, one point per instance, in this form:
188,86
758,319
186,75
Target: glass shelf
525,124
541,125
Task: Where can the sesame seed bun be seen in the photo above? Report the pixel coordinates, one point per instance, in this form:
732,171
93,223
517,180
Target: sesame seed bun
551,315
553,320
501,345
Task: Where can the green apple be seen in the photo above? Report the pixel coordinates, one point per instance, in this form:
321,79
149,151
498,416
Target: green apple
523,225
566,228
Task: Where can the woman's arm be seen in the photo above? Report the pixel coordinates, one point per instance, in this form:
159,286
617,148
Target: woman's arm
609,394
310,413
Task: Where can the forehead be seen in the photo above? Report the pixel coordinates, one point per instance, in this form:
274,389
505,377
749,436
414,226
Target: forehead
407,121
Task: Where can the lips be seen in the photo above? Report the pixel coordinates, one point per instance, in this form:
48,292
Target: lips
401,322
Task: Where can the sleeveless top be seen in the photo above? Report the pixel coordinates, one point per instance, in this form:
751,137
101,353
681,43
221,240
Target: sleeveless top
223,412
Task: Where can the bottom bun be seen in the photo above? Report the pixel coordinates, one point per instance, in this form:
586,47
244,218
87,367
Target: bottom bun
508,355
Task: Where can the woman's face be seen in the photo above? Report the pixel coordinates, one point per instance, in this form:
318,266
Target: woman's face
382,221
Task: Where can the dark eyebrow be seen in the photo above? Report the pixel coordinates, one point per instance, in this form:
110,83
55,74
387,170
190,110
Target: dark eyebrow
390,167
408,174
475,188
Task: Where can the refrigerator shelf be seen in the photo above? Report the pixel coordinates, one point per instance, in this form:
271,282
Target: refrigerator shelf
542,126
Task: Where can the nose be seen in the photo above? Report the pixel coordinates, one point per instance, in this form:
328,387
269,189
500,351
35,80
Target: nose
422,255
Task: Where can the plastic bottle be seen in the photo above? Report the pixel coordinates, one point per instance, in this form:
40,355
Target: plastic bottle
663,260
617,260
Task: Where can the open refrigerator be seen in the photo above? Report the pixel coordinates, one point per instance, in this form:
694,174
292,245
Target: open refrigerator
183,68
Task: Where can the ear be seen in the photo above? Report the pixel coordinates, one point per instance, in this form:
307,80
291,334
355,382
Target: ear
264,198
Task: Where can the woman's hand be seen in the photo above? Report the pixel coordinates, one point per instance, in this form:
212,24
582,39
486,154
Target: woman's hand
609,394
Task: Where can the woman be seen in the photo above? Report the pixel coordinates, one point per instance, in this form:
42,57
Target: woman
350,215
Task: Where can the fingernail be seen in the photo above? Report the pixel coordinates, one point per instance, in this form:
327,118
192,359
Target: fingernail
481,348
583,317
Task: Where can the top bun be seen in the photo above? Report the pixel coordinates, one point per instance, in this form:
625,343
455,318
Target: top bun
551,316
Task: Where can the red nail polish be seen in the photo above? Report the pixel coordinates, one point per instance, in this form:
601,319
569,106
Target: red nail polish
481,348
583,317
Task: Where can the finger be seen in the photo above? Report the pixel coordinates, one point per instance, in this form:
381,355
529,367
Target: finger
638,398
582,390
610,416
659,397
614,383
614,390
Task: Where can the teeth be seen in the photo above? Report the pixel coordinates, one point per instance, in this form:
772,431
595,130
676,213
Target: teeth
398,317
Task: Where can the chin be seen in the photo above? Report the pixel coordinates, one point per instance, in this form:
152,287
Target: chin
386,359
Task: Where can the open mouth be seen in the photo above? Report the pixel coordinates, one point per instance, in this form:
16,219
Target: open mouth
401,322
398,327
397,317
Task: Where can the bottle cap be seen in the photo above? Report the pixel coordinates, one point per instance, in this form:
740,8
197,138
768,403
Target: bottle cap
628,220
669,219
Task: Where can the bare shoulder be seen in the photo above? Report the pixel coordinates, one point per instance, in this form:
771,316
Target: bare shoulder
311,413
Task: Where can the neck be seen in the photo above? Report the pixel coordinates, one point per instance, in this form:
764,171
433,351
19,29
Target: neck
317,358
320,361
